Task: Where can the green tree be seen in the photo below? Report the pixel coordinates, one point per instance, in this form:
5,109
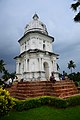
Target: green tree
6,75
75,6
2,66
13,75
71,65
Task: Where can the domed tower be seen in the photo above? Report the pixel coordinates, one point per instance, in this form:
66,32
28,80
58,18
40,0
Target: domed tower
36,60
36,25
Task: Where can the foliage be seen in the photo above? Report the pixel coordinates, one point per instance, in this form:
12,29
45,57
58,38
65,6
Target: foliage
6,102
75,7
26,104
1,82
42,112
75,77
73,101
57,102
13,75
37,102
8,75
77,17
2,64
71,65
21,105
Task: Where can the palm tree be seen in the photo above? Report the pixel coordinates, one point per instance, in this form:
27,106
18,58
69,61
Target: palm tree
2,64
71,65
75,7
6,75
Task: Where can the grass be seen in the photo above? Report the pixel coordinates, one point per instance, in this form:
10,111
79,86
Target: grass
45,113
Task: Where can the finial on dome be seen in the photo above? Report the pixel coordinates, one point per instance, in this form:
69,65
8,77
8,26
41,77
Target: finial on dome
35,17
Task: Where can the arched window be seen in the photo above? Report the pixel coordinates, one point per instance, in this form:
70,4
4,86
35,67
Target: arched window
19,68
44,47
28,64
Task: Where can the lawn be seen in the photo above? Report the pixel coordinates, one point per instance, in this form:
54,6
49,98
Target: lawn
45,113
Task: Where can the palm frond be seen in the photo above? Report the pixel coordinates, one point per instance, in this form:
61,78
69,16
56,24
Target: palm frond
75,6
77,17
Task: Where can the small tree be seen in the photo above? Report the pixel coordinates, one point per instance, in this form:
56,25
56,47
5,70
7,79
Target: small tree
71,65
6,102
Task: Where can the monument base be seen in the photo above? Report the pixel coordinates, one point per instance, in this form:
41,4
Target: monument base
62,89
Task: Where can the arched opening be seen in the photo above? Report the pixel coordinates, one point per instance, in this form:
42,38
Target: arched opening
44,47
27,64
46,69
19,68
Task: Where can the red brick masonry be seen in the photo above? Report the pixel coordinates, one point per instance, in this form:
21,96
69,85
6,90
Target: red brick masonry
62,89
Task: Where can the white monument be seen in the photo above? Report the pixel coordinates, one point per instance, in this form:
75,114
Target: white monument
36,60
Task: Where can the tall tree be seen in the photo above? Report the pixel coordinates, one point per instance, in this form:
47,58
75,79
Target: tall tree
71,65
2,66
6,75
75,6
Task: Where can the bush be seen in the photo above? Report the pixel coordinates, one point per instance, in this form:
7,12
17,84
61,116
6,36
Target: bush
45,100
73,101
6,102
39,101
57,102
27,104
53,101
21,105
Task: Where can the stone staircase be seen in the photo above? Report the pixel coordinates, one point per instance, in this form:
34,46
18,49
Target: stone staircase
62,89
12,89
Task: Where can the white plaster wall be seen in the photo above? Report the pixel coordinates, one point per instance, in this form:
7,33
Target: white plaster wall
33,66
36,41
36,61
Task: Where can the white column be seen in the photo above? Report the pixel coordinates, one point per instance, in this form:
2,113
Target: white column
39,64
17,67
52,65
25,65
55,66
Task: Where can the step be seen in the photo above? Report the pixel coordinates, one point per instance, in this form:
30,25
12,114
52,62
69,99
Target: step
24,90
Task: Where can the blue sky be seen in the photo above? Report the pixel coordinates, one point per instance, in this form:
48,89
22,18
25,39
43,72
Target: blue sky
58,17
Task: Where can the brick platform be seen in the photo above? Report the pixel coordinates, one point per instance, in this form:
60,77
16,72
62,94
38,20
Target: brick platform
62,89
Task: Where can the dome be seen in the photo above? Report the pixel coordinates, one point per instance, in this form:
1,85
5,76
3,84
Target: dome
36,25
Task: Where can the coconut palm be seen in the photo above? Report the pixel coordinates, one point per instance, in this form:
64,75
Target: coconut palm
71,65
75,7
